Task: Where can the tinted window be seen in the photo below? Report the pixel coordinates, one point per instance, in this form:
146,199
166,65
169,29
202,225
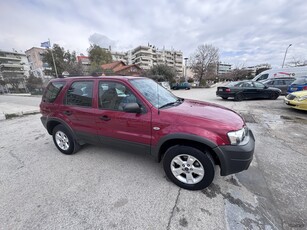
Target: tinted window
288,82
80,93
259,85
268,82
301,80
279,82
52,91
263,76
115,96
247,84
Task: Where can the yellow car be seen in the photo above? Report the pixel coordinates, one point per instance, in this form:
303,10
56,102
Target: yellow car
297,100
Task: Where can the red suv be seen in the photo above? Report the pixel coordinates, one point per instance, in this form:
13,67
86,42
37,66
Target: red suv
190,137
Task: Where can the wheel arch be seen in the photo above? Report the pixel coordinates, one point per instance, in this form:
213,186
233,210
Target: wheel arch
197,142
53,122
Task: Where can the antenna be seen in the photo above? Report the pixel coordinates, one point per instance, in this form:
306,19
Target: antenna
158,98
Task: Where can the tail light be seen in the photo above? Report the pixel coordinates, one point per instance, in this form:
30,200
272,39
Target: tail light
305,87
227,90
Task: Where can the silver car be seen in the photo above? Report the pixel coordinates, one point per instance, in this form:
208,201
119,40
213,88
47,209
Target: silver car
280,83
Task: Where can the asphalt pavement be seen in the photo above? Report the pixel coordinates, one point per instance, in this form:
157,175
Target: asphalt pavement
102,188
13,105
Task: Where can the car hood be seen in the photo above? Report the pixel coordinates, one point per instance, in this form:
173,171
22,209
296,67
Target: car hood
300,93
198,111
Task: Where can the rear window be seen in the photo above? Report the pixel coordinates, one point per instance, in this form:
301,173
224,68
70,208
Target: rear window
52,91
301,80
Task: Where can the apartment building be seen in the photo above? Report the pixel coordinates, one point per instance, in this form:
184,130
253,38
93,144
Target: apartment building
148,56
223,68
35,58
85,62
254,70
14,69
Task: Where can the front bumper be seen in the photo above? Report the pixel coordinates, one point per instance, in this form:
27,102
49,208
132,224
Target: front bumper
236,158
302,105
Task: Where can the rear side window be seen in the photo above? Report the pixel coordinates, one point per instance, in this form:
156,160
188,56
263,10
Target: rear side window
80,93
52,91
269,82
279,82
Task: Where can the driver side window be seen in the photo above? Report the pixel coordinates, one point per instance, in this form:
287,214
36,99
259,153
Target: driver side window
114,96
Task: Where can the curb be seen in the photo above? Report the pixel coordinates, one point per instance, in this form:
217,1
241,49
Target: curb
6,116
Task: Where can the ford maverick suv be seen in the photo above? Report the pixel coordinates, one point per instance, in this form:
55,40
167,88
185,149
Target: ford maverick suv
190,137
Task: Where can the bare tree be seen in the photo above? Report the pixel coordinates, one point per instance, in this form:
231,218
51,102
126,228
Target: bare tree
204,62
13,79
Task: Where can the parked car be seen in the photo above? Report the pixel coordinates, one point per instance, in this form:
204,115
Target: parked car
135,113
280,83
183,85
283,72
299,84
242,90
297,100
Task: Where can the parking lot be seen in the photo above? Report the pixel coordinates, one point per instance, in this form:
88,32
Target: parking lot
102,188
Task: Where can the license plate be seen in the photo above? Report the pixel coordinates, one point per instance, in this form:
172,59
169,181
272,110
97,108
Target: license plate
294,89
220,89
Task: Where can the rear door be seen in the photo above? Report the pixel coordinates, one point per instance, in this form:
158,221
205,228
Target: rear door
280,84
77,109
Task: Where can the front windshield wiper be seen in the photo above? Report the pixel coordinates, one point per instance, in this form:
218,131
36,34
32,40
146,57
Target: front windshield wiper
178,101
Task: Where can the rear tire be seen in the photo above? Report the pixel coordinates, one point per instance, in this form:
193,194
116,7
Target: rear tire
239,97
225,98
188,167
64,140
274,95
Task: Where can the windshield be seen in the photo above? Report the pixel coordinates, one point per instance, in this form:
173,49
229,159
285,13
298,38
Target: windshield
153,92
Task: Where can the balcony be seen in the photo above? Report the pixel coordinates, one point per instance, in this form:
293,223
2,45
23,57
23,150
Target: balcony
9,58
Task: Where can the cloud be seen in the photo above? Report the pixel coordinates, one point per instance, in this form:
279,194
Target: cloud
101,40
246,32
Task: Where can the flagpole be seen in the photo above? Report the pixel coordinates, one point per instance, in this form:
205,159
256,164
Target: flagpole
56,72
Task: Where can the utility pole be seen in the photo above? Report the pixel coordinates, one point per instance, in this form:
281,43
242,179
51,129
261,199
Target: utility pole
185,69
285,55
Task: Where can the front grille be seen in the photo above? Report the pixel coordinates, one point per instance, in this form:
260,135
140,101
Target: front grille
291,97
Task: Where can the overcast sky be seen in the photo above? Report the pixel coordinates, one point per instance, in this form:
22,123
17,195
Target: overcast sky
246,33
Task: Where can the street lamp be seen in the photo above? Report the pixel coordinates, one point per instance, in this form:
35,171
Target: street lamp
285,55
185,67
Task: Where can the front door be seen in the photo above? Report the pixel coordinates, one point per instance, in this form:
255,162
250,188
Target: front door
116,126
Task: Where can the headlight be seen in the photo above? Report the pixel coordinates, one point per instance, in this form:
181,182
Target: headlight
302,98
236,137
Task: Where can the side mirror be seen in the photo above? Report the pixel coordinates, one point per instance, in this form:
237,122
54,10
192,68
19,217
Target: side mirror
266,87
132,108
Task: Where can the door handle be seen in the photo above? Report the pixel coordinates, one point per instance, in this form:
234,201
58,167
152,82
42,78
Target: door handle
105,118
67,112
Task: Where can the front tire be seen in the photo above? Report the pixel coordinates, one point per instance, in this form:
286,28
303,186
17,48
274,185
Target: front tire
188,167
64,141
